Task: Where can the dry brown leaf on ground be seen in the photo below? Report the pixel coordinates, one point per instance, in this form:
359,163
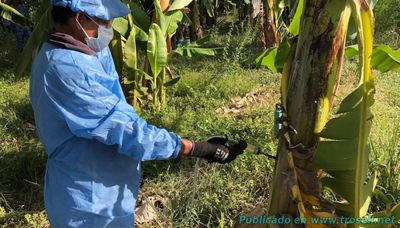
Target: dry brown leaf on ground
239,104
145,213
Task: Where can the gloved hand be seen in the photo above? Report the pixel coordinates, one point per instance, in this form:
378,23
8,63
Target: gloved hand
215,149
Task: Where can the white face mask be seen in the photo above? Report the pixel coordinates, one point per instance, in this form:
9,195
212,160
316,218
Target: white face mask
104,37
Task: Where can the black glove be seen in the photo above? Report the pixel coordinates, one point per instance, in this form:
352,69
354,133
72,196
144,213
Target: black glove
216,150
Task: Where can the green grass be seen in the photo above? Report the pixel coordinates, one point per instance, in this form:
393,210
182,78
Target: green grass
22,159
385,139
192,192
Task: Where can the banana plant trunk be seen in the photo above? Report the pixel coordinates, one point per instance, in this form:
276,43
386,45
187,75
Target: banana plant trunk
308,78
262,26
196,30
269,36
270,30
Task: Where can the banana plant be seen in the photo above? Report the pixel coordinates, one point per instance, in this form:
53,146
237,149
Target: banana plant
314,150
138,27
141,32
196,30
269,16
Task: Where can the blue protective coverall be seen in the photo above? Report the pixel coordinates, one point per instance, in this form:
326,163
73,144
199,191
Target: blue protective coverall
94,139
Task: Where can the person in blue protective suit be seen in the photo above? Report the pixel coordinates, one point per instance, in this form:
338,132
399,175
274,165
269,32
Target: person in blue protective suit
94,139
22,32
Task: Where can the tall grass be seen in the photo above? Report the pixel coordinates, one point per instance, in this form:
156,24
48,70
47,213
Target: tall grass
385,140
386,160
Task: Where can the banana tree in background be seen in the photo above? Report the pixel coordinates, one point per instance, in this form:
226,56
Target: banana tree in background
268,16
314,151
153,35
196,30
273,11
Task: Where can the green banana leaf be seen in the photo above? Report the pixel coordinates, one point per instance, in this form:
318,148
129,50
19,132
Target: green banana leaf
116,47
202,41
170,20
267,59
141,35
294,26
275,58
172,82
384,58
173,18
191,51
121,25
160,17
351,51
196,49
156,50
130,50
140,18
178,4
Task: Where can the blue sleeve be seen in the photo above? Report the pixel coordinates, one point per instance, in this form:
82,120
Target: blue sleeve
92,111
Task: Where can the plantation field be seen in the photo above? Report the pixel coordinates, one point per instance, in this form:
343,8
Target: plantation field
225,95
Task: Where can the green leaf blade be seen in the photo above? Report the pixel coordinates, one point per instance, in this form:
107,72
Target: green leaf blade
179,4
156,49
294,27
121,25
130,50
172,82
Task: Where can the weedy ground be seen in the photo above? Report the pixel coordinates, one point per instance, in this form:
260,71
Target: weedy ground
191,192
